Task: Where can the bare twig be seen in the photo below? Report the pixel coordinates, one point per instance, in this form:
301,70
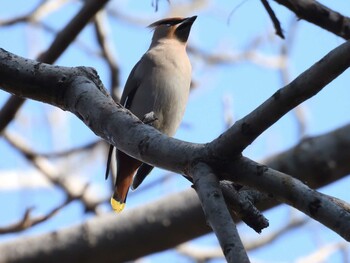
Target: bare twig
323,253
44,8
263,240
102,35
52,173
250,54
273,17
200,254
72,151
205,254
227,111
241,205
28,221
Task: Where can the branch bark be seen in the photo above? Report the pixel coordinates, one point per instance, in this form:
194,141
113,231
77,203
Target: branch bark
320,15
305,86
77,89
333,214
208,189
184,219
63,39
112,238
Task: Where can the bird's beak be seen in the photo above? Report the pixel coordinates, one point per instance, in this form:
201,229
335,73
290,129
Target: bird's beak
189,20
183,30
187,23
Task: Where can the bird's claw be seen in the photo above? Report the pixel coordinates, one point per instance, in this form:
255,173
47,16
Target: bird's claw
149,118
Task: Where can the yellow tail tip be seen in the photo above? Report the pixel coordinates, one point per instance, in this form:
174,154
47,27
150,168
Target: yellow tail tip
117,206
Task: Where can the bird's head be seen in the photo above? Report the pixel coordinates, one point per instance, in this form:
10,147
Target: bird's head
172,28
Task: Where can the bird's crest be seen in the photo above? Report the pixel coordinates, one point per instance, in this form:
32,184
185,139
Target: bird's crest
167,21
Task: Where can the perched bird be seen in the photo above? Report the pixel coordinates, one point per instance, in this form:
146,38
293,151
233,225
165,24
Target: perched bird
159,85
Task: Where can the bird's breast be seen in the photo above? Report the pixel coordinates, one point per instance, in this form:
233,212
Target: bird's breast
164,88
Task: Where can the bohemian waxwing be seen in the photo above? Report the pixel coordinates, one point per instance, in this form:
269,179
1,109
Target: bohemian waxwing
159,84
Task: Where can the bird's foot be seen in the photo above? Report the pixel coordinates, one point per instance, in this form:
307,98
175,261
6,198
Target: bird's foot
149,118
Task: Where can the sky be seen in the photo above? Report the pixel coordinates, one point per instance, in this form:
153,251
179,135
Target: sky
226,29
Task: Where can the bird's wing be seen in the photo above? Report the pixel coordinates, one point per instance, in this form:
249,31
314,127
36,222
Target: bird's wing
141,174
128,93
109,158
126,100
130,88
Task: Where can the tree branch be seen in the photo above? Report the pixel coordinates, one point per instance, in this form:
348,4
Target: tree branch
317,160
320,15
103,39
269,238
44,8
52,173
306,85
208,189
74,89
274,19
335,215
241,206
58,46
183,212
112,238
28,221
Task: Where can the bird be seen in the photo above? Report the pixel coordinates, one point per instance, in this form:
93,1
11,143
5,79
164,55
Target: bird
156,91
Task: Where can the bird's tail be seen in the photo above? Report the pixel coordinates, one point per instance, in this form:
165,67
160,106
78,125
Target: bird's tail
141,174
127,167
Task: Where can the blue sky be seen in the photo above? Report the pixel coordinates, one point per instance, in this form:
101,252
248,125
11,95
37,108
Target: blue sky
225,29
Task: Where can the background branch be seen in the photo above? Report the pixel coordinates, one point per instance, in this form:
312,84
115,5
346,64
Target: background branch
63,39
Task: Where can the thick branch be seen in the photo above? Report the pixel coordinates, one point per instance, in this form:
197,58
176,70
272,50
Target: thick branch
318,160
306,85
112,238
320,15
194,223
328,211
63,39
208,189
75,89
72,89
